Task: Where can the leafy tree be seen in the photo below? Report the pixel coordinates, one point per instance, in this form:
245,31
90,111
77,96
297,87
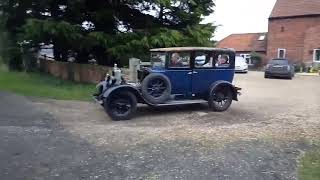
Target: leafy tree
257,59
111,30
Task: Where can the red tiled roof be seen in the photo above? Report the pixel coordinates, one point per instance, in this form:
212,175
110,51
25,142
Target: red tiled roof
289,8
245,42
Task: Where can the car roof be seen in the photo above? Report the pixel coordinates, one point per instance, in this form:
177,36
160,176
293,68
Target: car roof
190,49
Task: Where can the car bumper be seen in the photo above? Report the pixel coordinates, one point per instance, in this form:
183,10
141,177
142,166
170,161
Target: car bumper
278,74
240,70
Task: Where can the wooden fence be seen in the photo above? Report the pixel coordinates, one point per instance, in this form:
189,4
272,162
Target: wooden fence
84,73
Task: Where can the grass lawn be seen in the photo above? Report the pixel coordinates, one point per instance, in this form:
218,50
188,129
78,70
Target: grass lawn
43,85
310,166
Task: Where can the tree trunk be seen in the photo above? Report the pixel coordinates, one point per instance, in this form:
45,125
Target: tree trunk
82,57
56,52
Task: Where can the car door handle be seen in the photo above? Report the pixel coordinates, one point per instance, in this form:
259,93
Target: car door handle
194,72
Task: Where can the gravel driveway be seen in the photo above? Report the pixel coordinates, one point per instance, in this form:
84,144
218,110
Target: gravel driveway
260,137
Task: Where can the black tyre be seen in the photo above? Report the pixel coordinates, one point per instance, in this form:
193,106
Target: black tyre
266,76
156,88
121,106
221,99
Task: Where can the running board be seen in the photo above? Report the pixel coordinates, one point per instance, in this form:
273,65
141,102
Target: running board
182,102
169,103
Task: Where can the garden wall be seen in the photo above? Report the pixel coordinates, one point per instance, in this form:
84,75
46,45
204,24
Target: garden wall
84,73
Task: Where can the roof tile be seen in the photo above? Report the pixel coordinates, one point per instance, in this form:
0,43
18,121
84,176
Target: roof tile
289,8
245,42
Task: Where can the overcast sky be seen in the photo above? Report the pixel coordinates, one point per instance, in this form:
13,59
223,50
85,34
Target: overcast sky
240,16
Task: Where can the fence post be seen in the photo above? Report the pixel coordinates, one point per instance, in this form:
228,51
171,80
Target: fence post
134,65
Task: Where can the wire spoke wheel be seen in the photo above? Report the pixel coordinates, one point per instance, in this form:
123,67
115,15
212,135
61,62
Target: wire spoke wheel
156,88
121,106
221,99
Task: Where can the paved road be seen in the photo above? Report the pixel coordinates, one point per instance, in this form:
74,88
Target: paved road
260,137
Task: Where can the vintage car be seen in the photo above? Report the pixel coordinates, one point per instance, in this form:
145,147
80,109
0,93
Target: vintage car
176,76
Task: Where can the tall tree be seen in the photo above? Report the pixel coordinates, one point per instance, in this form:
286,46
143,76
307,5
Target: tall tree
111,30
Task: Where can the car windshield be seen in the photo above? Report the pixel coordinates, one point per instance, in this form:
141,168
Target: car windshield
158,59
279,62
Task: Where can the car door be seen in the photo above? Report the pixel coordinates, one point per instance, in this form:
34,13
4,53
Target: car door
217,66
202,73
180,73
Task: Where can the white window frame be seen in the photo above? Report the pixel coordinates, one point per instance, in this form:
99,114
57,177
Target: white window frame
262,37
284,52
245,56
314,55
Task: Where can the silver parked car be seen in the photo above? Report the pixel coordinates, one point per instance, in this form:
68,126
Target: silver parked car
279,68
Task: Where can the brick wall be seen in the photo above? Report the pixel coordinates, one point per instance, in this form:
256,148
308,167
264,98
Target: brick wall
76,72
290,34
311,42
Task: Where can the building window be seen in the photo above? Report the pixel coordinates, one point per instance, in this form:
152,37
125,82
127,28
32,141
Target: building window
262,37
247,57
282,53
316,55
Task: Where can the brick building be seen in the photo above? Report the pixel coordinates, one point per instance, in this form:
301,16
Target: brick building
294,31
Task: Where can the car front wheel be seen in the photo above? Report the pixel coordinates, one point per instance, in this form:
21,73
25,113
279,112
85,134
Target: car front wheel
121,106
220,99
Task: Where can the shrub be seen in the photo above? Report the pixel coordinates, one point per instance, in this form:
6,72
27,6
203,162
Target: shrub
29,60
301,67
257,59
13,58
10,52
315,68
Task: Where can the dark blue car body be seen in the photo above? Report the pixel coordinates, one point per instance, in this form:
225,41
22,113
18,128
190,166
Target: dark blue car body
194,81
179,75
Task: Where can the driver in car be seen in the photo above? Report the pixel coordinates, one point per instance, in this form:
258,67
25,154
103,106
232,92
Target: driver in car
176,60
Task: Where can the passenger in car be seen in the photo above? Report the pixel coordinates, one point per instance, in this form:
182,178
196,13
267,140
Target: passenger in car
223,61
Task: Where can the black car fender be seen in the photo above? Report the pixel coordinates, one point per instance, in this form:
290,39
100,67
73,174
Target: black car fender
126,87
217,84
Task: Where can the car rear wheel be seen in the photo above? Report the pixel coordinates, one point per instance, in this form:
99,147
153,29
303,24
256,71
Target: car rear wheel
121,106
220,99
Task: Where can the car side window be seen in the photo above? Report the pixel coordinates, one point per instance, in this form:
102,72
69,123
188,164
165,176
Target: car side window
179,60
203,60
222,60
